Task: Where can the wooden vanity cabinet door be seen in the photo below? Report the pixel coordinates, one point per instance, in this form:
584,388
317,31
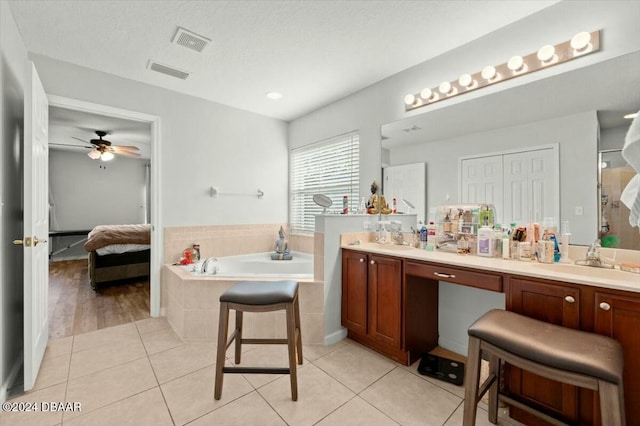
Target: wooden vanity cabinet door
355,299
385,290
618,316
556,304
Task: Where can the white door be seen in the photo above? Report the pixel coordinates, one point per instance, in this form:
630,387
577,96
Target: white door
407,182
531,186
481,182
36,225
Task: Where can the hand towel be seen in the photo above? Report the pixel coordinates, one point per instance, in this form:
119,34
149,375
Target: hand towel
631,153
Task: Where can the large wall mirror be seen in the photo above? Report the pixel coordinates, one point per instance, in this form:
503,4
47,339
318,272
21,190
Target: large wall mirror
572,109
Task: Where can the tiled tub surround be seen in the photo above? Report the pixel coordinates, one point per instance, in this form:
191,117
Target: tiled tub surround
193,308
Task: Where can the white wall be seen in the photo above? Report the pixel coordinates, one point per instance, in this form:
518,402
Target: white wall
13,57
576,135
86,195
613,138
204,144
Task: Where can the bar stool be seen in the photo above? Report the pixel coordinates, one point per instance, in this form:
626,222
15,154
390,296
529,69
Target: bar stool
566,355
259,296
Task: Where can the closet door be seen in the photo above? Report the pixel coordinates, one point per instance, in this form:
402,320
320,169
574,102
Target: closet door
481,182
531,186
409,182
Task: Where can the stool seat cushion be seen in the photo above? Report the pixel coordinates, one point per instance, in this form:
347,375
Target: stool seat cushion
261,292
549,344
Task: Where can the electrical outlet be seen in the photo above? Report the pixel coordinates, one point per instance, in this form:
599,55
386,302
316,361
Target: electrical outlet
578,211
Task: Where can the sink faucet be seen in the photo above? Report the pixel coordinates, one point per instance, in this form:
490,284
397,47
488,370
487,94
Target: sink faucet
203,268
593,257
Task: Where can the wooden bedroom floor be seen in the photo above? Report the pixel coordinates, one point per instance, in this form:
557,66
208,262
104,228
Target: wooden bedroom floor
75,308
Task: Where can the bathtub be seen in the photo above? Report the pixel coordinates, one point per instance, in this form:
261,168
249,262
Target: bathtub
257,265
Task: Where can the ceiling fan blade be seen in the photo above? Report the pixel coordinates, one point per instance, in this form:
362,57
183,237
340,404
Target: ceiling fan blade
70,146
127,154
127,147
81,140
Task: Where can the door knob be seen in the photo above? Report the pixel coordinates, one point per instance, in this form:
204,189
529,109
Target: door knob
36,241
26,242
373,262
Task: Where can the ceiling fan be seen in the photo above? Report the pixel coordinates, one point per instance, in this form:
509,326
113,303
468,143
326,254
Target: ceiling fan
104,150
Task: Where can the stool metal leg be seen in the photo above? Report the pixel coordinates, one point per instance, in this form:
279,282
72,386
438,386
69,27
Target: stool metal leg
472,380
299,331
291,343
238,346
223,326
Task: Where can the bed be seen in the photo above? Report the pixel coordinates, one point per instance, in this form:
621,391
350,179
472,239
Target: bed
118,252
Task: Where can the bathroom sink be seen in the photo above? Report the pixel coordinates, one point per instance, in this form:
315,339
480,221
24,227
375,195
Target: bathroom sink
588,271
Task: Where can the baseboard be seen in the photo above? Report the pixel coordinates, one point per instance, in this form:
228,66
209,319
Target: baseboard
335,337
453,346
63,258
11,378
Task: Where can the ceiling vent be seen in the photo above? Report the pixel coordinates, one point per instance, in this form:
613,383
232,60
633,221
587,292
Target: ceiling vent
166,69
190,40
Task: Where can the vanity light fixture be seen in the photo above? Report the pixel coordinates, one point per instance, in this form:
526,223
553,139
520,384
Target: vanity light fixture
631,116
581,44
274,95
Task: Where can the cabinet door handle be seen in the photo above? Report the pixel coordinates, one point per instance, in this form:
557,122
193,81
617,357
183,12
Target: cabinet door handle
373,262
361,260
440,275
569,299
605,306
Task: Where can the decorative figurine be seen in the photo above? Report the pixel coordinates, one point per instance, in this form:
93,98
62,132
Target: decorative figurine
282,248
375,201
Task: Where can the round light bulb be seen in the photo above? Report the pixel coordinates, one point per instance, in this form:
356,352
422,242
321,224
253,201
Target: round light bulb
581,41
93,154
465,80
545,54
409,99
489,72
516,63
426,94
274,95
444,87
106,156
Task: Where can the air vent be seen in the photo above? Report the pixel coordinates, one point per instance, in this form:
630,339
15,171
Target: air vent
190,40
166,69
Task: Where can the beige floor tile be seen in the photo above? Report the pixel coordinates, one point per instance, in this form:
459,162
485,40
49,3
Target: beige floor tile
57,347
35,418
110,335
105,356
149,325
108,386
191,396
357,412
482,417
408,399
355,366
315,351
160,340
181,360
454,389
249,410
146,408
318,395
53,370
264,356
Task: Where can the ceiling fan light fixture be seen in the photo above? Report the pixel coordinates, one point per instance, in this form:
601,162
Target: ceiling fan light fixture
106,156
94,155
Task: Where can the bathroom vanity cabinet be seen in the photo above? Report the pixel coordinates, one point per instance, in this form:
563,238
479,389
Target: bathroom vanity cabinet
371,301
390,303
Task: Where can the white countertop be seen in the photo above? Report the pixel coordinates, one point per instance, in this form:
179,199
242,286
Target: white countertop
598,277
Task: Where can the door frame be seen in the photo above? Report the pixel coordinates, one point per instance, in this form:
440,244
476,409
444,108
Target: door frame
156,196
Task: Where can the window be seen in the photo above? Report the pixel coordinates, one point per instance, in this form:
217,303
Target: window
330,167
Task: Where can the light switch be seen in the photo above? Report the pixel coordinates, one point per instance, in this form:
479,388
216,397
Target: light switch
578,211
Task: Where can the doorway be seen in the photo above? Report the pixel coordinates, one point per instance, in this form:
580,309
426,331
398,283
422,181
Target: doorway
153,206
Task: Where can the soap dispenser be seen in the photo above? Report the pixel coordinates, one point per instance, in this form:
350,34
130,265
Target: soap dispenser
485,240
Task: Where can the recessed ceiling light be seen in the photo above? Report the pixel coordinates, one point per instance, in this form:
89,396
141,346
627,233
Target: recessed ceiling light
631,116
274,95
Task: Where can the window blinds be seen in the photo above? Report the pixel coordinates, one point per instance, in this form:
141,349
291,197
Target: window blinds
330,167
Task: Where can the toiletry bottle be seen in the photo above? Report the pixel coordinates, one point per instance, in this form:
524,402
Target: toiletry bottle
196,251
485,243
454,224
447,223
423,237
506,245
394,205
564,240
431,236
345,205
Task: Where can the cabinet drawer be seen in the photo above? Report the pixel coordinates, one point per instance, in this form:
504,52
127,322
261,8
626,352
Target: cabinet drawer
478,279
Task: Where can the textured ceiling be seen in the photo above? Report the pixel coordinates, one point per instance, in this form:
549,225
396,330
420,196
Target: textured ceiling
314,52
